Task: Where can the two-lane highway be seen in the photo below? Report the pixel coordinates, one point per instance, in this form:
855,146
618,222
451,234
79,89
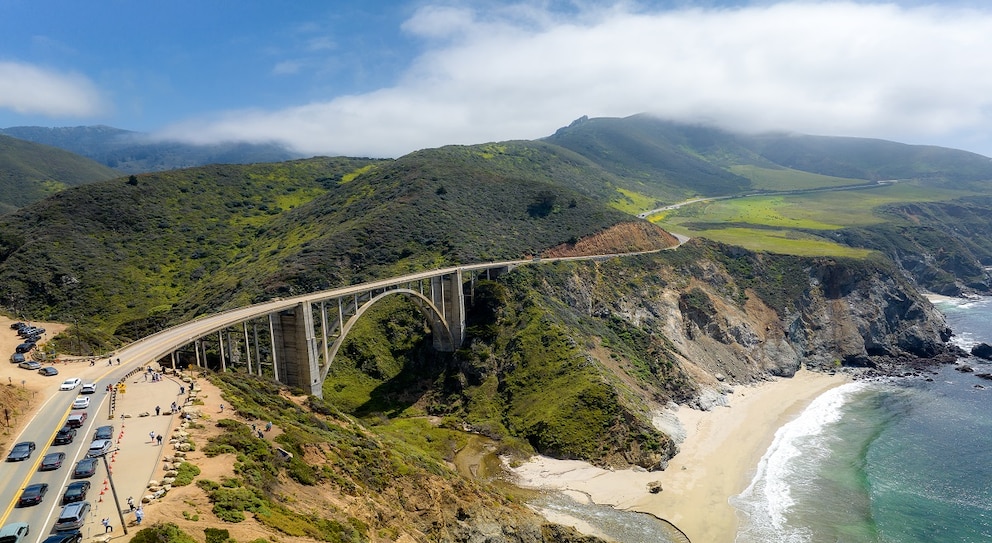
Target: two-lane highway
41,429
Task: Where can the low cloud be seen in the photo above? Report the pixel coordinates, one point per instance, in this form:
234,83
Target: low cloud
30,90
916,74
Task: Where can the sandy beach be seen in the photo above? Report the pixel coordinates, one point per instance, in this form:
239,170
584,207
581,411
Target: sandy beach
716,461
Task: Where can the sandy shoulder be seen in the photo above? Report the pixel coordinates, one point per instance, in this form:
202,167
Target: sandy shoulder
716,461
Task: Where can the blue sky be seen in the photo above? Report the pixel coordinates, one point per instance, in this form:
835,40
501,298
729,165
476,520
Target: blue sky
384,78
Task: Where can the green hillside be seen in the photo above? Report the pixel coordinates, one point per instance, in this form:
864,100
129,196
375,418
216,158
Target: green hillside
30,172
129,255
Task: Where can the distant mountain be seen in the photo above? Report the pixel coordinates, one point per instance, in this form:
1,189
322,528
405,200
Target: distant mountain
673,161
30,172
135,152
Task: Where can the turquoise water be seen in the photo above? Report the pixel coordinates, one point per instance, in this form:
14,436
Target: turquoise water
901,460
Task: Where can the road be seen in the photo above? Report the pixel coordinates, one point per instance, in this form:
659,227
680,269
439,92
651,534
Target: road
139,458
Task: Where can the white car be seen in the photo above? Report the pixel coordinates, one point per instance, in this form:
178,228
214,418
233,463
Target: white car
88,388
70,384
99,447
81,402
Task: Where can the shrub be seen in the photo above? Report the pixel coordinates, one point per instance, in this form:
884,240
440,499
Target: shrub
162,533
186,473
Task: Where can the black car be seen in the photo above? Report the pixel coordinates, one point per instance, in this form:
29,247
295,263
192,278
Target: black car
21,451
32,494
104,432
64,537
24,347
64,436
75,492
51,461
84,468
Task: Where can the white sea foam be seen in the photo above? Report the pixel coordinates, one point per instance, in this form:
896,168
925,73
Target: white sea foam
766,502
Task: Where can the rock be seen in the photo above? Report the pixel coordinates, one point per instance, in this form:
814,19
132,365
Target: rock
180,454
167,482
171,473
720,377
654,487
147,498
982,350
986,376
152,483
965,368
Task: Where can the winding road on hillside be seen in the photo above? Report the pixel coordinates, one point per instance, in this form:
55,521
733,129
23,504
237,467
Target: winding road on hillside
862,186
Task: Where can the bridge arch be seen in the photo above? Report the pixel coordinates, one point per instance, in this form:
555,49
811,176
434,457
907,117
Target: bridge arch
443,338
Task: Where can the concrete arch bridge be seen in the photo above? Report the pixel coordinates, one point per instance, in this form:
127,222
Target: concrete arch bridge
294,340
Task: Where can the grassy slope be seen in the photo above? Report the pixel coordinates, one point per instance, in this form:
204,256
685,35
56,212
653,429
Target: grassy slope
30,172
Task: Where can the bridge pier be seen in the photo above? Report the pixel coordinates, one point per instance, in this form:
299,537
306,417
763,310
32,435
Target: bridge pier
295,347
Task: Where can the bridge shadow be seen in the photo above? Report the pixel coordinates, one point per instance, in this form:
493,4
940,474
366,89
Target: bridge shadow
397,394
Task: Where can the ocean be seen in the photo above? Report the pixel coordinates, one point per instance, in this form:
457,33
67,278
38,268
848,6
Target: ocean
890,460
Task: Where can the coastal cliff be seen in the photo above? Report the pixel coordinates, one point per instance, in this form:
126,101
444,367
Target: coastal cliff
576,356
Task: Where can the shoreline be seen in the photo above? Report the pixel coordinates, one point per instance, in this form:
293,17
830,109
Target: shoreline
716,461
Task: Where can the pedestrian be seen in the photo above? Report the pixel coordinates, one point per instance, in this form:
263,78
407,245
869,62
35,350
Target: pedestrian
152,435
268,426
130,503
221,408
173,407
261,435
139,514
106,525
182,390
158,410
118,361
159,439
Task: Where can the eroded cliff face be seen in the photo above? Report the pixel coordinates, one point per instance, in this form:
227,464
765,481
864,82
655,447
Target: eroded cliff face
679,325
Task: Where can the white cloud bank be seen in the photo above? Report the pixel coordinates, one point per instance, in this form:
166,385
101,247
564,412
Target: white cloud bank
918,74
31,90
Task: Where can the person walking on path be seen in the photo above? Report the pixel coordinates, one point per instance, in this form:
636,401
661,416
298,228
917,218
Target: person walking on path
159,439
139,514
221,408
130,503
152,436
106,525
158,410
268,426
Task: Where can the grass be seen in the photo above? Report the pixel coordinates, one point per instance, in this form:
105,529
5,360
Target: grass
786,223
789,179
633,202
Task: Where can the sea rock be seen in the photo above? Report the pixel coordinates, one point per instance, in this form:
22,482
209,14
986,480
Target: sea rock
964,368
986,376
982,350
654,487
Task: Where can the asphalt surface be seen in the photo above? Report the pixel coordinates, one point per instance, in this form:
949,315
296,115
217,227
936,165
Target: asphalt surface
135,458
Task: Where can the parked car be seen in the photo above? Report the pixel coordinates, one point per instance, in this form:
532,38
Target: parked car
51,461
32,494
75,492
25,347
65,537
15,532
72,516
17,325
88,388
64,436
17,358
104,432
99,447
81,402
48,371
70,383
76,419
21,451
84,468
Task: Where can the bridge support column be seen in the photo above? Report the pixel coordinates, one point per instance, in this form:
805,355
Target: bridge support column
295,346
448,295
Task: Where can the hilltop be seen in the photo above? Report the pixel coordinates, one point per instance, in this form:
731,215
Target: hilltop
30,172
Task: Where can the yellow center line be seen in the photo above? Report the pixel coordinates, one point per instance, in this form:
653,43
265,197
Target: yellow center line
41,451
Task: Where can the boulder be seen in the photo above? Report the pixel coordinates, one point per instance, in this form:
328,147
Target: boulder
654,487
964,368
982,350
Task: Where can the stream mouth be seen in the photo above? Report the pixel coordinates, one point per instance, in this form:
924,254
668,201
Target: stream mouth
479,460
